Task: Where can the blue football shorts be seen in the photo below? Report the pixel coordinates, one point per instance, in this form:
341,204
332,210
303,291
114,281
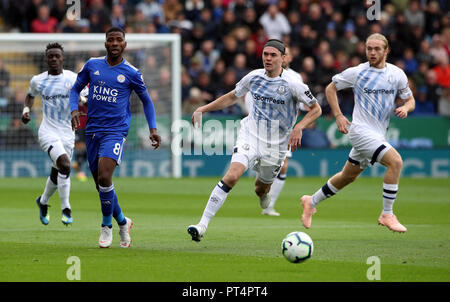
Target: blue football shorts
104,145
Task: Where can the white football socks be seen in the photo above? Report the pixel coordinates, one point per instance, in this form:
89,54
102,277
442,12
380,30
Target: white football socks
389,195
276,188
323,193
216,200
49,190
64,190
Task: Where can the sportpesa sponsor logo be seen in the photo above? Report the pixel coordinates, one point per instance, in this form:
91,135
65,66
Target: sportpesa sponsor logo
377,91
56,96
266,99
105,94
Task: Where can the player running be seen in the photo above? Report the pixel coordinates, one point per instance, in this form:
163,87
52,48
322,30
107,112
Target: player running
280,180
266,133
56,136
111,80
376,84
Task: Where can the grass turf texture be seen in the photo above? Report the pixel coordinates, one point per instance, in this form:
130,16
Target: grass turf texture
240,245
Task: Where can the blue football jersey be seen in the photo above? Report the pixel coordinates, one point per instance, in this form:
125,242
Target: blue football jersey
110,88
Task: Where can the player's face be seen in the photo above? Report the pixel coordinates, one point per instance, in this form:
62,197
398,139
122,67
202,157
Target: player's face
55,59
272,59
115,44
376,52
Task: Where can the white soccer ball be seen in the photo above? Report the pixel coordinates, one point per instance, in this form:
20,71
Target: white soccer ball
297,247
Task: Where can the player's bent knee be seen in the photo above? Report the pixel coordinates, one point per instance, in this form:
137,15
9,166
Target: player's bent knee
63,164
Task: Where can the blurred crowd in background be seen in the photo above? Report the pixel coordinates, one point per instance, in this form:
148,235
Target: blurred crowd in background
222,40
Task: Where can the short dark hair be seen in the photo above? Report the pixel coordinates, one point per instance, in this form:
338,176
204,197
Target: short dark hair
115,29
54,45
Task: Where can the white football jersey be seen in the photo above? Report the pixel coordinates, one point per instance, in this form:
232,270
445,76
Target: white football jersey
275,104
54,91
375,92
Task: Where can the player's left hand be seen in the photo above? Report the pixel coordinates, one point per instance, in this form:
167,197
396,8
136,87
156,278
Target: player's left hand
295,139
155,139
401,112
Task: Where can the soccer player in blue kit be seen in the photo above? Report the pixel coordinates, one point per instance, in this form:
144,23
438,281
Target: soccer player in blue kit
111,80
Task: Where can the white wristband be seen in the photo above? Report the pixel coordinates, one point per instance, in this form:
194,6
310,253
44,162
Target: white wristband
26,109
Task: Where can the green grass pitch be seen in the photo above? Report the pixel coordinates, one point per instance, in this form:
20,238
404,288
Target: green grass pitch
240,245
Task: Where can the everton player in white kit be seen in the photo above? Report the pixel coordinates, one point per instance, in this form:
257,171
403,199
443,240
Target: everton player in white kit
376,84
266,133
111,80
56,137
280,180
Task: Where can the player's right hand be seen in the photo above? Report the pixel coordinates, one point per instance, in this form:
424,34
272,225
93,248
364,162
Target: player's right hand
342,123
76,119
26,118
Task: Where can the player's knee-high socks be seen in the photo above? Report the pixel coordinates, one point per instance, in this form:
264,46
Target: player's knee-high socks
323,193
64,190
117,211
50,189
215,202
107,202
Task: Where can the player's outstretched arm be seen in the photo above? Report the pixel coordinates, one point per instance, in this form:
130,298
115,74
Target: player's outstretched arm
341,121
296,135
223,101
408,106
29,100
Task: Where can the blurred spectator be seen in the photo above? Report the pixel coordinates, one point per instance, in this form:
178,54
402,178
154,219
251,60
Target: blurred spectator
204,84
193,8
314,138
275,23
437,49
171,8
30,13
444,103
424,54
238,7
432,18
94,23
418,77
327,71
207,55
102,15
414,15
230,50
442,71
18,136
194,101
217,10
186,84
260,37
209,26
411,64
187,53
316,20
250,19
139,22
16,104
311,72
240,66
68,26
423,106
227,25
4,80
434,90
217,74
58,10
253,62
151,9
118,18
44,23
